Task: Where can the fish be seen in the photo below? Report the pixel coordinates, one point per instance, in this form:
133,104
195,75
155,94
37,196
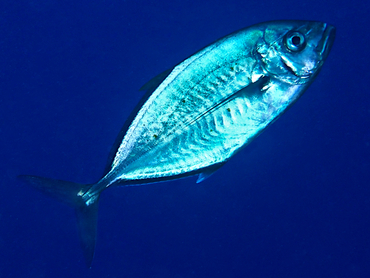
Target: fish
198,114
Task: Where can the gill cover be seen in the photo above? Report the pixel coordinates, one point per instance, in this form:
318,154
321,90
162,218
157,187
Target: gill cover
294,55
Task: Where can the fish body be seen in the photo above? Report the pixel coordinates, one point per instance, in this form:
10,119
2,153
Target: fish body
201,112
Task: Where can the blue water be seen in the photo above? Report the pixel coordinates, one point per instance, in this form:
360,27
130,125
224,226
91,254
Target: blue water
295,203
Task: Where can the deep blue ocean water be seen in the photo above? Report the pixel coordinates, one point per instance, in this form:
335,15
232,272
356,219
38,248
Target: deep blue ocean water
294,203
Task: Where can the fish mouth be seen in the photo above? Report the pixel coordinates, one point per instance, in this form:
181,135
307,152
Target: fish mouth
325,44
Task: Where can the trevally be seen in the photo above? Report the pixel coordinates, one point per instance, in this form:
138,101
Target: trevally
201,112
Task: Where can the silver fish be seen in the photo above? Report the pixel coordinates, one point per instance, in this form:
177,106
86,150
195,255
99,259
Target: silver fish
204,110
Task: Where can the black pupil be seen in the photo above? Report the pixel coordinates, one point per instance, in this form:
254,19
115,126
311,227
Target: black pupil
296,40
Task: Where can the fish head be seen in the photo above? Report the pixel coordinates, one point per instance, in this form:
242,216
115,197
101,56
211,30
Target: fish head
294,51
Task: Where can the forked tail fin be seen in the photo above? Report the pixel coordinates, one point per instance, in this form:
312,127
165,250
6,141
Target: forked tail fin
71,193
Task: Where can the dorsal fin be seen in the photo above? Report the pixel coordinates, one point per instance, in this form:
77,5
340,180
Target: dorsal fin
153,83
149,87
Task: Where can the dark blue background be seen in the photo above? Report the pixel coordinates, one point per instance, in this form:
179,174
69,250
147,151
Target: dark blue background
295,203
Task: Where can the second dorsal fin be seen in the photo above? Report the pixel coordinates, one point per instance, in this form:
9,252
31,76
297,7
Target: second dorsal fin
153,83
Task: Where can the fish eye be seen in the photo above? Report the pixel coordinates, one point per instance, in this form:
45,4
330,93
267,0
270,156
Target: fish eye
294,41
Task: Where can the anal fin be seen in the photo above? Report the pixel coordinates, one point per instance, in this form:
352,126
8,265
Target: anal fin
209,171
